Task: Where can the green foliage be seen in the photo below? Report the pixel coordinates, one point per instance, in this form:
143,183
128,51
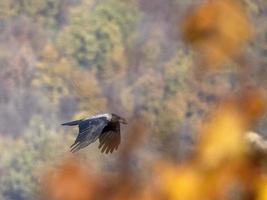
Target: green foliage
175,73
23,160
97,37
45,12
53,74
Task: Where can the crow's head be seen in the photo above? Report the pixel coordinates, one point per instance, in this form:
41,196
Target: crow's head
117,118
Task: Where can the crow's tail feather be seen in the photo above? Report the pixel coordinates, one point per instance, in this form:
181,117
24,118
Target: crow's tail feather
74,144
72,123
75,147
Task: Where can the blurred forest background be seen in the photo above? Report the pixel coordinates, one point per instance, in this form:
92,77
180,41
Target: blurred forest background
67,59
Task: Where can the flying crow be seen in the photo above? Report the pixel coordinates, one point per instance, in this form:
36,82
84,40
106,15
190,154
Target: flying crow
105,127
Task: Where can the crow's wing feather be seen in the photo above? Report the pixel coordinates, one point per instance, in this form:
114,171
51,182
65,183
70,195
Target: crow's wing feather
89,131
110,138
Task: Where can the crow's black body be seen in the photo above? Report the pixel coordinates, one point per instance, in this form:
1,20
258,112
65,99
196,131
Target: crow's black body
105,127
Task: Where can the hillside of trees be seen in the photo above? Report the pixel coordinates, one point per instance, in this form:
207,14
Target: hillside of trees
148,61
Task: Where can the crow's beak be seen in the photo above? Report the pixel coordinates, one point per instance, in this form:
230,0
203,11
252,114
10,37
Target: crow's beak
123,121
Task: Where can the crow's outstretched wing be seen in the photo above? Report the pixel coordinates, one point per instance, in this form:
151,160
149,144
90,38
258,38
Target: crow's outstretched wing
89,131
110,138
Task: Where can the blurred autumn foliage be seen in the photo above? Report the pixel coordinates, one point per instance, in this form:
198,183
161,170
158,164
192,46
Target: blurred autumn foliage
218,29
188,133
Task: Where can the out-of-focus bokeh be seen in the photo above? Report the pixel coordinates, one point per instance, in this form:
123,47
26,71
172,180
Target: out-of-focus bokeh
189,77
219,29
